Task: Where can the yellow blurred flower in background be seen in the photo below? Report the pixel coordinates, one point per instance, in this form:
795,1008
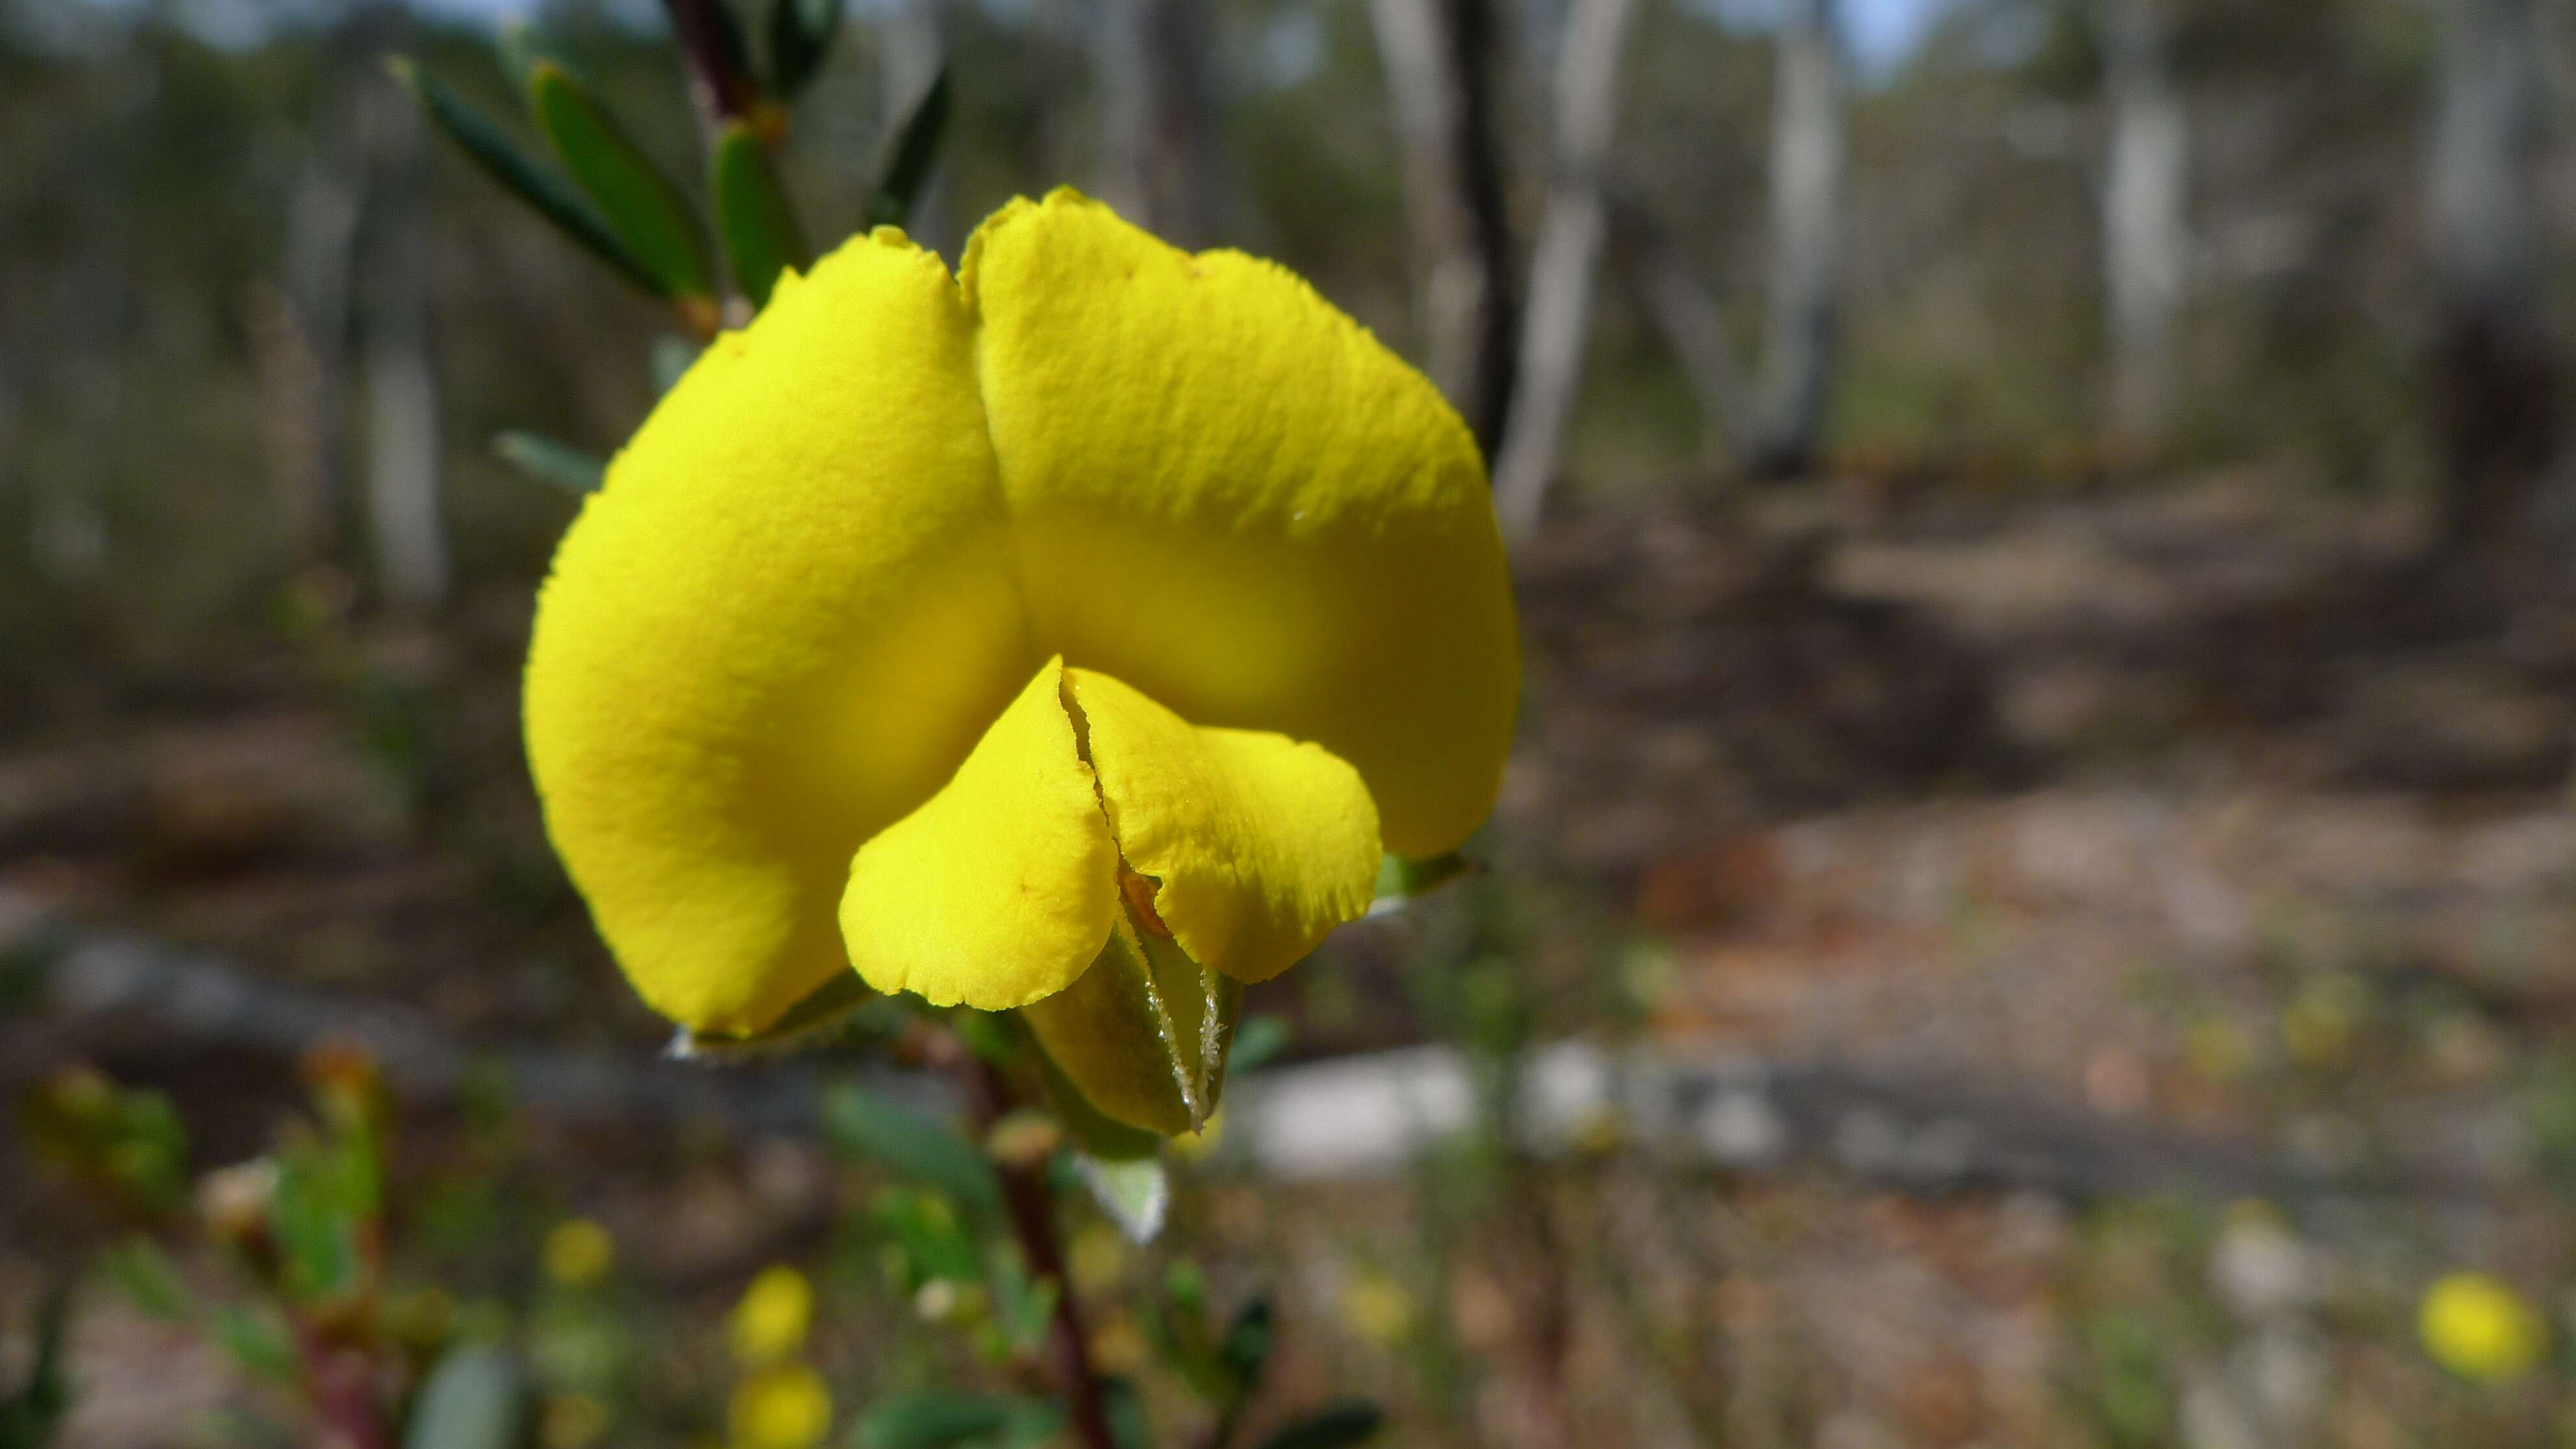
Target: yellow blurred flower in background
2478,1328
784,1406
771,1321
1376,1308
578,1253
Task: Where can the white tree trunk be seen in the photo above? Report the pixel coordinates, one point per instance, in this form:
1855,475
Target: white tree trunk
1437,55
403,451
1558,323
1807,165
2495,360
2146,239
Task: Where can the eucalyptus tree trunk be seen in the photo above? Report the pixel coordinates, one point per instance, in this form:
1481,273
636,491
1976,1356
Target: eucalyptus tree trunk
1558,323
2146,240
1807,165
2495,359
404,519
1439,60
1166,160
300,332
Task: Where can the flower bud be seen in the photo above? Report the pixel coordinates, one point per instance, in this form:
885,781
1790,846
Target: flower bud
1143,1033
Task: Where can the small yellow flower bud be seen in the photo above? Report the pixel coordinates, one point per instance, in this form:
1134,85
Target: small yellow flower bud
771,1321
2480,1329
578,1253
785,1406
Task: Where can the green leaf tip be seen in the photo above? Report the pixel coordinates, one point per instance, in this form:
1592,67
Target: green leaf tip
546,193
800,39
753,215
916,148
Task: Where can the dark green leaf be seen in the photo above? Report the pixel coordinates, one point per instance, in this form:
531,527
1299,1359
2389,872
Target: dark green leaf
31,1412
545,460
548,194
147,1277
475,1399
1124,1408
916,147
800,37
1333,1428
752,213
934,1417
815,1021
1256,1041
872,1125
646,210
1247,1344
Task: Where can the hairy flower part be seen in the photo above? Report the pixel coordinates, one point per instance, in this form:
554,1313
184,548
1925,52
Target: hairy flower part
1072,634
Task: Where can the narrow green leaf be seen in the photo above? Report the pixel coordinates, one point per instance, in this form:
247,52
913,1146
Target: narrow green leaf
545,460
1334,1428
872,1125
1134,1193
475,1399
752,212
934,1417
647,211
800,38
31,1412
1247,1344
146,1276
548,194
916,147
818,1020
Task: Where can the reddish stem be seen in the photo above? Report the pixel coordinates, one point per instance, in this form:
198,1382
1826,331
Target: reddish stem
1030,1205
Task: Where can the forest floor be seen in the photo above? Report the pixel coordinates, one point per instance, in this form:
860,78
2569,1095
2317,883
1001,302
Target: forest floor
2193,808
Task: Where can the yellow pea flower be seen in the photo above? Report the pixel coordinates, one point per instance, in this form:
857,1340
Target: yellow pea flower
1070,634
2480,1329
775,1314
782,1407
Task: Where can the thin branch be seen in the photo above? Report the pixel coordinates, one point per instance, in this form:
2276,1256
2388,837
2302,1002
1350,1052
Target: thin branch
1030,1205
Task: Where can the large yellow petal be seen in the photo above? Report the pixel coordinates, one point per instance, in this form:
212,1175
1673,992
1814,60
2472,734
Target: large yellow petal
1001,888
776,630
1230,496
1260,845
